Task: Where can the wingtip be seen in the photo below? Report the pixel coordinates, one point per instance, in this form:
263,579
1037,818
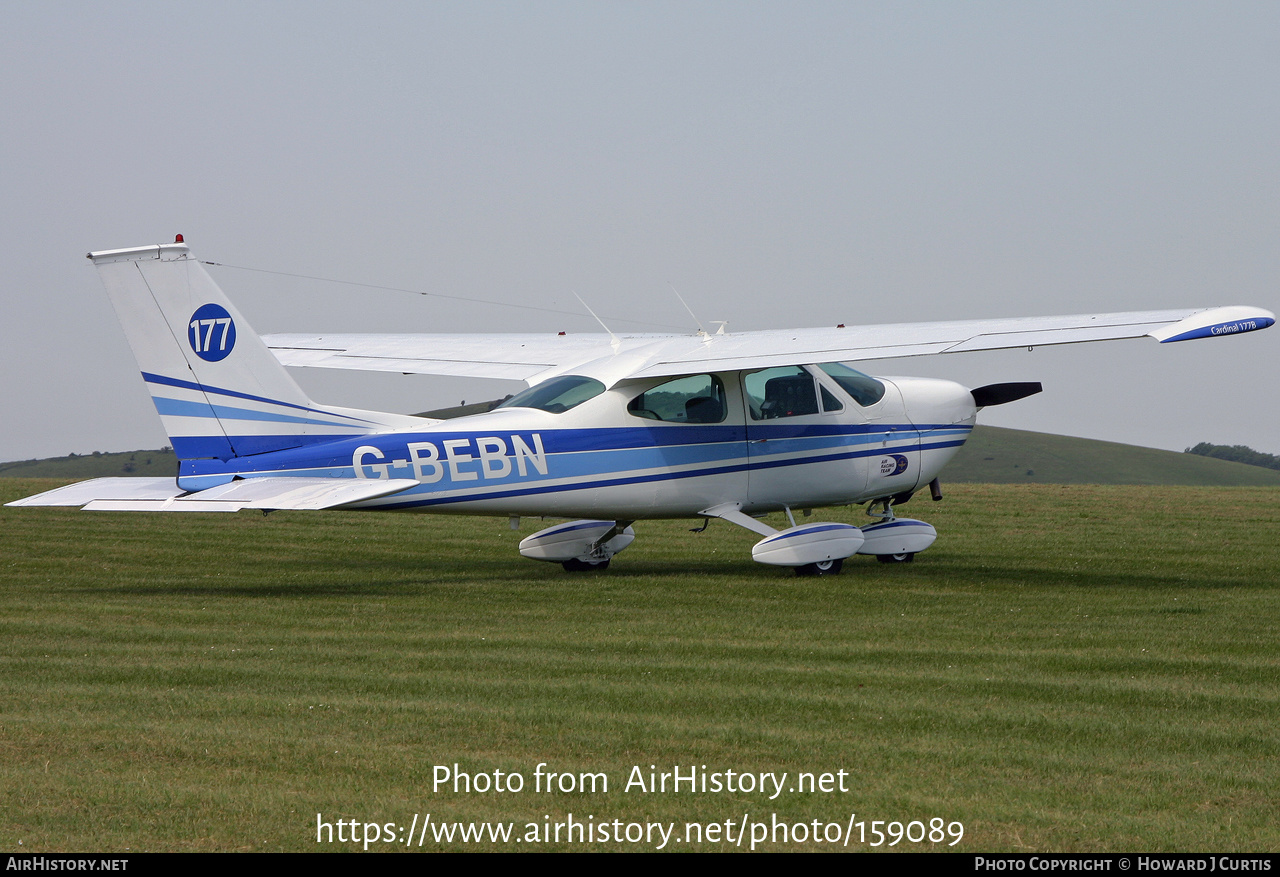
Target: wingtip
1216,322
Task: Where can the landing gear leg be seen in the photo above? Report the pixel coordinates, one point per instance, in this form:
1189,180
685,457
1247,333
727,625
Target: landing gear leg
579,546
886,509
797,545
598,554
893,539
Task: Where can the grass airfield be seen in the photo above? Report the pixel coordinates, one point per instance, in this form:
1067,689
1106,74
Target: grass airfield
1070,668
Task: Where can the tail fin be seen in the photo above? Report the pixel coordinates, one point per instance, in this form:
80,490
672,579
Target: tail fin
219,391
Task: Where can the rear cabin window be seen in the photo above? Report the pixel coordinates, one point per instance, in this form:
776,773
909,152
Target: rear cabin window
691,399
557,395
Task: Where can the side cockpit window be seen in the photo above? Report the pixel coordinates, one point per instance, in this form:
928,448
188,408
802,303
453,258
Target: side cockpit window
691,399
788,391
556,395
791,391
864,389
829,400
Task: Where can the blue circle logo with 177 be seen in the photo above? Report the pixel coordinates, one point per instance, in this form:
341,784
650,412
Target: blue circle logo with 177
212,333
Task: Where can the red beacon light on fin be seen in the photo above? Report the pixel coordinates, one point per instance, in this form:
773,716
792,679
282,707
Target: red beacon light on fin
177,239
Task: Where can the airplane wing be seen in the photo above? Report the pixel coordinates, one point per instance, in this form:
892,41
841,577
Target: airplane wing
534,358
510,356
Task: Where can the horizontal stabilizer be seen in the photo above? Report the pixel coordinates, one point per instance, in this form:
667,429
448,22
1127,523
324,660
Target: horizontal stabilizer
121,488
273,493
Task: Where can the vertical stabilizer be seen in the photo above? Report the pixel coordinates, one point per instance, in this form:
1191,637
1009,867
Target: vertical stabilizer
219,391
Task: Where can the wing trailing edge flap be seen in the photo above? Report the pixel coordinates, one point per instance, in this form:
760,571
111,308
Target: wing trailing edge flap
268,493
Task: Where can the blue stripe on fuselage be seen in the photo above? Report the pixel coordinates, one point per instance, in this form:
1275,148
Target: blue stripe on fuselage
654,445
182,408
219,391
598,483
592,458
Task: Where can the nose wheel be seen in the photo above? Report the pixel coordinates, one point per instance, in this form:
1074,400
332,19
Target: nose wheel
892,539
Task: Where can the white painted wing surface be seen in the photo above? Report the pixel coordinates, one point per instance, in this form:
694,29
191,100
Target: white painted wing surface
533,358
514,357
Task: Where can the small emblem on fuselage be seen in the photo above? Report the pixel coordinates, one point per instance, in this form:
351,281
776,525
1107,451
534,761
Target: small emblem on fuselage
895,465
211,332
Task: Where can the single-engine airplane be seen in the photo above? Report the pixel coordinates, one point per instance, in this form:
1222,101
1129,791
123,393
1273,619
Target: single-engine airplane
612,429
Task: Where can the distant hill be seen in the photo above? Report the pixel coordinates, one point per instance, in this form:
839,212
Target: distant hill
95,465
992,455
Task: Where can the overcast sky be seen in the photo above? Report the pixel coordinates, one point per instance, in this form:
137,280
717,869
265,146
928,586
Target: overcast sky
782,164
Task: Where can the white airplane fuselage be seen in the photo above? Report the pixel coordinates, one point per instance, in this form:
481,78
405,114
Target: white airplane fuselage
600,460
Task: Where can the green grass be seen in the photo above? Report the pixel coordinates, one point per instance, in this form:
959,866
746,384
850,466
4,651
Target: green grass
1069,668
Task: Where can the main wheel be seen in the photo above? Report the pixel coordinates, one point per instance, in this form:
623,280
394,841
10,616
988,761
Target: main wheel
821,568
576,565
906,557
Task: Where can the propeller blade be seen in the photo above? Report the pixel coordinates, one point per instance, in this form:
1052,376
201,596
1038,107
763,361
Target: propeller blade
998,394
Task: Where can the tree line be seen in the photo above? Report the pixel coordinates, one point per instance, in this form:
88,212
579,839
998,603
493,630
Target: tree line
1236,454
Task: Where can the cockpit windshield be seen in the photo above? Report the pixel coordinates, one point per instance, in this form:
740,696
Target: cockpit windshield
556,395
864,389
